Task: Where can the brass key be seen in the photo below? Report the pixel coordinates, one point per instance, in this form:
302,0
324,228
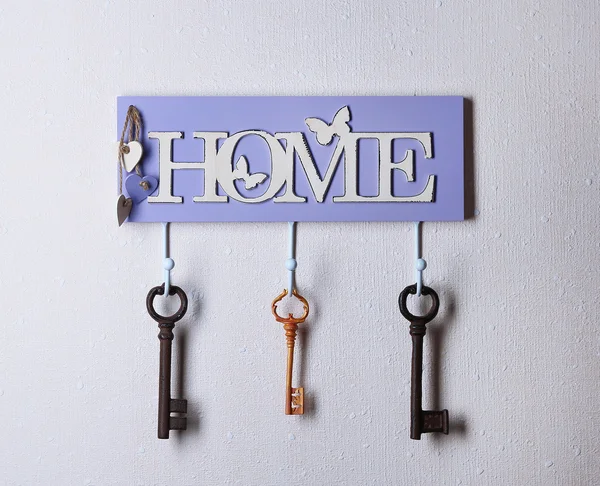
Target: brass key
167,405
421,421
294,397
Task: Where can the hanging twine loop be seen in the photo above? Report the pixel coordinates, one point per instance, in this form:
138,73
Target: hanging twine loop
133,129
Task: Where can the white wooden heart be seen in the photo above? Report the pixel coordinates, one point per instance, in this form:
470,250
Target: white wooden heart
132,154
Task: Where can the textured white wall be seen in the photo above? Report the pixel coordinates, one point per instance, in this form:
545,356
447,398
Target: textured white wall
517,340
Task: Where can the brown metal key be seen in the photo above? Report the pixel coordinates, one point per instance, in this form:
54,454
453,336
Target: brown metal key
421,421
166,404
294,397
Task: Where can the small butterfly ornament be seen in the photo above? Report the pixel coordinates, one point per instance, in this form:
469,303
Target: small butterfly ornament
326,131
242,172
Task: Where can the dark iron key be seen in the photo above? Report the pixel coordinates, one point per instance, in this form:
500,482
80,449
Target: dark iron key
167,405
421,421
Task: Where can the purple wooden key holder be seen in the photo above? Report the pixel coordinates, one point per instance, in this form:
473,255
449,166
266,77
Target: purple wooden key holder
338,158
293,159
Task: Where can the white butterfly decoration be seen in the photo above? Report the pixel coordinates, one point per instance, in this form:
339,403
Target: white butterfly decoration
326,131
242,172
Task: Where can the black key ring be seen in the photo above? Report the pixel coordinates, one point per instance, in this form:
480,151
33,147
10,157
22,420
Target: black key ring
412,289
160,290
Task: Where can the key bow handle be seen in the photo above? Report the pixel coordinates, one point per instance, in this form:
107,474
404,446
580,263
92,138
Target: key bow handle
173,290
433,310
290,318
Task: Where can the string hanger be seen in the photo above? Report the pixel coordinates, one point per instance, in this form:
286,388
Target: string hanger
420,263
130,154
133,128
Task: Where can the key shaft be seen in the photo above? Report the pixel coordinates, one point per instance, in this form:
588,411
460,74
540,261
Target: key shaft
164,379
416,381
289,371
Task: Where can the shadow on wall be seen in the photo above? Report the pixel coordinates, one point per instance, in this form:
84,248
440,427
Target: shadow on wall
193,414
436,333
469,159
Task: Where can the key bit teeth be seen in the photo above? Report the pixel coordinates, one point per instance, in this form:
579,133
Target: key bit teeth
297,401
435,421
178,405
177,423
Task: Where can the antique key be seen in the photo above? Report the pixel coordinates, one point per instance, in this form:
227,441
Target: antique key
166,404
294,397
421,421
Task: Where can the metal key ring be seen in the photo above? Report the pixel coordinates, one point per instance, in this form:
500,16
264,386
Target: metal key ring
412,289
160,290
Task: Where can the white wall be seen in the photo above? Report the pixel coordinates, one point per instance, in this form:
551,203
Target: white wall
518,337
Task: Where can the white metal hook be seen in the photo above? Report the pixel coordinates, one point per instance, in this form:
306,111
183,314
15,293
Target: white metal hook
420,264
167,262
291,262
